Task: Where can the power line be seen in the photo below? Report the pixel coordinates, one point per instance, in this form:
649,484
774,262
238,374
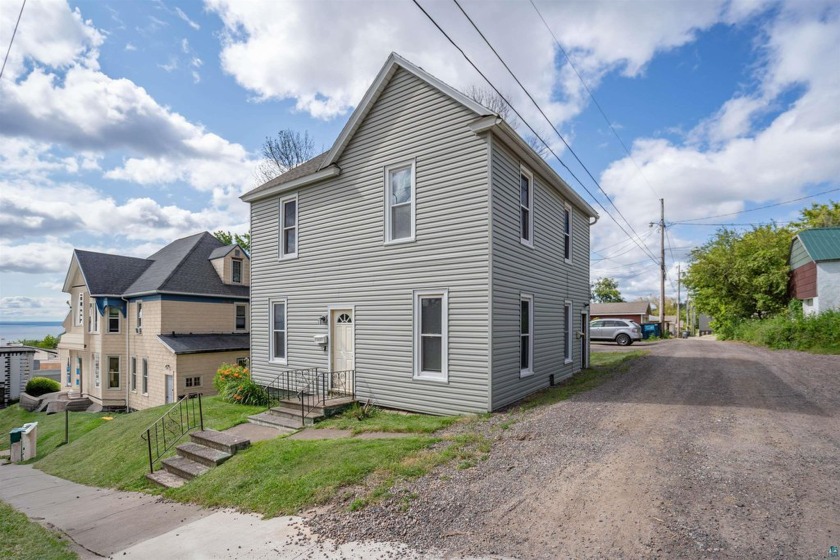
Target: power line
642,246
12,40
622,242
756,224
592,96
759,208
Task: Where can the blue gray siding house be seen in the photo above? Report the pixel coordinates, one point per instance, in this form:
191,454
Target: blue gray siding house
430,250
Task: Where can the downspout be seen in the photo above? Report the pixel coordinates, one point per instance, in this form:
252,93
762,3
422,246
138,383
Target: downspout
127,355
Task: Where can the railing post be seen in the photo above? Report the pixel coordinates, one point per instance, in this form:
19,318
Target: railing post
149,440
200,413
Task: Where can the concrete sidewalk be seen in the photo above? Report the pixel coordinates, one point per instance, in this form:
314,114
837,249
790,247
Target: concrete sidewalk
111,523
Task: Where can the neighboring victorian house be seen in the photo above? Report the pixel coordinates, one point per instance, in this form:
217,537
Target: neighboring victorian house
815,269
430,250
143,332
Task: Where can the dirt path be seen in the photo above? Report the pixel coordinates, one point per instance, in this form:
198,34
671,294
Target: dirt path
702,449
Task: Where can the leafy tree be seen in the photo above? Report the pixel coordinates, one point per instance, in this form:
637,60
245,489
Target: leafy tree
737,276
49,342
605,290
227,238
818,215
288,150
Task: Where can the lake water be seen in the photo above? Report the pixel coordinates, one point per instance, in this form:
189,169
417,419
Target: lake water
13,331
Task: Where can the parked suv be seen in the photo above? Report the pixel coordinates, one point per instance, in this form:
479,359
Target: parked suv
622,331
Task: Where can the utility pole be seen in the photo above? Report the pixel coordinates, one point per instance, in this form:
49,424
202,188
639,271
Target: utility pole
662,266
679,330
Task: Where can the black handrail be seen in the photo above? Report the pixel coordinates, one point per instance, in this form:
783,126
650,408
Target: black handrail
167,430
289,383
311,387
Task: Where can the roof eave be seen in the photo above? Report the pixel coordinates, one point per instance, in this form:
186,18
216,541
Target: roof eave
321,175
191,294
514,141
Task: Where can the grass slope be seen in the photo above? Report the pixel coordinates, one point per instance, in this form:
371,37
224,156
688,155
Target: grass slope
50,427
22,539
387,421
114,456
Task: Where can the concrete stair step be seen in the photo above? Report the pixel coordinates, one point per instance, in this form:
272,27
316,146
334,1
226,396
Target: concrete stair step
280,421
203,454
183,467
221,441
166,479
284,410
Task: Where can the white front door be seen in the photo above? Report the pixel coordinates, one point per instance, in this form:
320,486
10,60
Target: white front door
170,388
343,356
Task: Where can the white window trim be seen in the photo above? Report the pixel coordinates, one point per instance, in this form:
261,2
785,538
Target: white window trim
568,315
236,307
97,370
443,375
526,372
80,311
144,376
93,317
388,169
571,237
285,360
281,250
132,383
119,372
524,171
108,321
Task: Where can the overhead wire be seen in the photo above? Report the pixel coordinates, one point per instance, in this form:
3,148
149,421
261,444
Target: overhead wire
12,40
759,208
643,246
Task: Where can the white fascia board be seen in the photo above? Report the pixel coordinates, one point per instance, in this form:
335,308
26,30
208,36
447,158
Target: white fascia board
512,140
321,175
385,74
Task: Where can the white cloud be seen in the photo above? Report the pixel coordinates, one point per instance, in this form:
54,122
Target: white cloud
187,19
130,47
32,308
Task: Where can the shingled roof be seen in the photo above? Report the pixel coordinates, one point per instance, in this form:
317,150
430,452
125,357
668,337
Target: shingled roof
620,308
182,267
200,343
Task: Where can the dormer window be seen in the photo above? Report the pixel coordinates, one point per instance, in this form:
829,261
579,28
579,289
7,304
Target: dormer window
236,275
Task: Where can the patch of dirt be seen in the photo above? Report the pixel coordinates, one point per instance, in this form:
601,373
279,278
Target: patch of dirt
702,449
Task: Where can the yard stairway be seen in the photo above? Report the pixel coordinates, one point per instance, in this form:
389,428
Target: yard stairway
287,413
207,449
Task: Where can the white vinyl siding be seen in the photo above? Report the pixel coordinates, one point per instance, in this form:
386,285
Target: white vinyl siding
279,334
399,202
526,206
567,332
431,337
526,335
289,227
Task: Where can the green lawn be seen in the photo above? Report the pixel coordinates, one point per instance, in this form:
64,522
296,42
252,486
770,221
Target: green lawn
21,539
281,476
387,421
114,456
50,427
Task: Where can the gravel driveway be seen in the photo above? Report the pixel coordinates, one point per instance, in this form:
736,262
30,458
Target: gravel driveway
702,449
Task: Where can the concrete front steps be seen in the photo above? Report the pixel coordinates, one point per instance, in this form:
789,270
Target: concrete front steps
206,450
287,414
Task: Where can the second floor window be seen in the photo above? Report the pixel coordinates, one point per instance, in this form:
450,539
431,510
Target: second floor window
93,320
80,310
113,320
236,271
399,202
140,317
567,234
526,196
288,228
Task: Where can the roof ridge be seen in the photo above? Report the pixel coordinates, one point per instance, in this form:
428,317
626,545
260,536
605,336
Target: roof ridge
176,268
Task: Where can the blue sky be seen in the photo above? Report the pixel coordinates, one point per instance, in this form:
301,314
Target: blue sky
125,125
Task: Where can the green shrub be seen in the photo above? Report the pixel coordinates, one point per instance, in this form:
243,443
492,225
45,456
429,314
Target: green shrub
792,330
38,386
235,385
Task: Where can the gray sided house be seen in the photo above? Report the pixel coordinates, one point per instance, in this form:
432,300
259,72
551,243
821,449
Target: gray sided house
430,250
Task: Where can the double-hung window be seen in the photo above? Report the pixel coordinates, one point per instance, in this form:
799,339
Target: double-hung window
567,234
236,271
93,319
113,372
399,202
241,320
145,376
113,320
140,317
567,332
96,376
289,227
526,204
278,331
431,336
526,335
133,373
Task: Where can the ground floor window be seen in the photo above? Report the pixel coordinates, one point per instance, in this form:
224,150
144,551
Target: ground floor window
68,372
96,379
113,372
145,376
431,336
192,381
242,362
567,331
133,373
526,336
278,331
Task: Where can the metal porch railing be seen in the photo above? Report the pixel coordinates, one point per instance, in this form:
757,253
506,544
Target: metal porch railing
184,416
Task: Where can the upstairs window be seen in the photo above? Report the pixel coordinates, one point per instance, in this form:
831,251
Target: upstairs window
241,322
140,317
526,203
80,310
288,228
236,271
93,319
113,320
567,234
399,202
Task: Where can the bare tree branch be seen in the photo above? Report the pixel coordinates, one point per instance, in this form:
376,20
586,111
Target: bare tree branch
288,150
